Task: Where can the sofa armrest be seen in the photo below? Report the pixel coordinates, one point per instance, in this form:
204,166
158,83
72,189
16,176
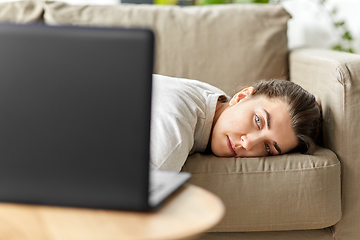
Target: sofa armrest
334,78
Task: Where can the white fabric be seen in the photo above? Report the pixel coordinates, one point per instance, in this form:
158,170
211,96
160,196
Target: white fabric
181,119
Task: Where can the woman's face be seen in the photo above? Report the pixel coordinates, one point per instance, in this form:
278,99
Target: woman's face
252,126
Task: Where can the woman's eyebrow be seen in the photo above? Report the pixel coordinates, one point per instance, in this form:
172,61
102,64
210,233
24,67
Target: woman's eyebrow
277,147
268,126
267,118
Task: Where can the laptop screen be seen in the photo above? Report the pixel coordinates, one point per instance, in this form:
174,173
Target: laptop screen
75,115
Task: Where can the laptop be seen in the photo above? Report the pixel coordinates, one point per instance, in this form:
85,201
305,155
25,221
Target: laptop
75,106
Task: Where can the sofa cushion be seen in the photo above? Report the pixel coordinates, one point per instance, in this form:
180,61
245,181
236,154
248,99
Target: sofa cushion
286,192
21,11
229,46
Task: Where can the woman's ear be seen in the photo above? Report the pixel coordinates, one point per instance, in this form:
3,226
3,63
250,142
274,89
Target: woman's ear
246,92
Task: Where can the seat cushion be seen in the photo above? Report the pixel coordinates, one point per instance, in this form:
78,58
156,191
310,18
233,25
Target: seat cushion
228,46
286,192
21,11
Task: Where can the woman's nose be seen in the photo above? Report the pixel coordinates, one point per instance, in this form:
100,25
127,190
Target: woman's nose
249,141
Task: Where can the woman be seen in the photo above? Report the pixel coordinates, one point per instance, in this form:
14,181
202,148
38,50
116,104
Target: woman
270,118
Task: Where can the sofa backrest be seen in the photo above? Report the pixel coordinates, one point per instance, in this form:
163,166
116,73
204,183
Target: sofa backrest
21,11
229,46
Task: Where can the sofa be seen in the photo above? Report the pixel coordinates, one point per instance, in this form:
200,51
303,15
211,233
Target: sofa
291,196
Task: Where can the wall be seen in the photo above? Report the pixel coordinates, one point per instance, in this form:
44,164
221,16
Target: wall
311,24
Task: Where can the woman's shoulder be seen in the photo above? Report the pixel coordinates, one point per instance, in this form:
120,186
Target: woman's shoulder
184,85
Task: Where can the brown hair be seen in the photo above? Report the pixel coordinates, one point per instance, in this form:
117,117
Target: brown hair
304,111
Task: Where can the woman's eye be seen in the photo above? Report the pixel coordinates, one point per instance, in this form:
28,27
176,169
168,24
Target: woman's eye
267,148
257,120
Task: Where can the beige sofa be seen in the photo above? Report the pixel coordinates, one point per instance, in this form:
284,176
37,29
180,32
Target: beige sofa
292,196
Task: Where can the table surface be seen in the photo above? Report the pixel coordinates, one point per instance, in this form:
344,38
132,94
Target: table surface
187,213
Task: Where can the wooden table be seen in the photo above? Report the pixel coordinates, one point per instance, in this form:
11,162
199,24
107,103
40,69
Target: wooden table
188,212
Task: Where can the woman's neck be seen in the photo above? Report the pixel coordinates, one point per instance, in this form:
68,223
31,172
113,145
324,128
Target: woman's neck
220,107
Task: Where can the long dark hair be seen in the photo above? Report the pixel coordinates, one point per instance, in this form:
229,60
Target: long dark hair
304,111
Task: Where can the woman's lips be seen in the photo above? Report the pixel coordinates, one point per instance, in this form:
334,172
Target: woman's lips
231,146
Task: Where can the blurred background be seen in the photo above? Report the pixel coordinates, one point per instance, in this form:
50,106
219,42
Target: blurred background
324,24
332,24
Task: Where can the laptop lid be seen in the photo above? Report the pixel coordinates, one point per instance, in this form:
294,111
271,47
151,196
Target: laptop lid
75,115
